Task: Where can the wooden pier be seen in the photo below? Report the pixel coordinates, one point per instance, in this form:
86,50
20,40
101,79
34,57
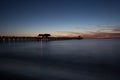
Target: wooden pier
14,38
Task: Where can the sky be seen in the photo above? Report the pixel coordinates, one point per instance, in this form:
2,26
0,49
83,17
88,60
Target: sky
88,18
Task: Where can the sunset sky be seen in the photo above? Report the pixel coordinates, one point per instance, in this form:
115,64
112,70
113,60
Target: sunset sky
89,18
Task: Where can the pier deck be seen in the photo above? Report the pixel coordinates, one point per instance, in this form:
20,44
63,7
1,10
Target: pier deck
13,38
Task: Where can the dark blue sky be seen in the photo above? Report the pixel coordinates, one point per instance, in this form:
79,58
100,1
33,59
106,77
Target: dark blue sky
30,17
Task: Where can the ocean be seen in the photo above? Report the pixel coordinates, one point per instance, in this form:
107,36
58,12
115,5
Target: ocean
86,59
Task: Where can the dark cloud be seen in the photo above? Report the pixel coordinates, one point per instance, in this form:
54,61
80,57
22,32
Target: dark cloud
118,30
106,35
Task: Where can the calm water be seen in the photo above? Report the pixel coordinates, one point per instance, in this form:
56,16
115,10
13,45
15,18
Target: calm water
87,59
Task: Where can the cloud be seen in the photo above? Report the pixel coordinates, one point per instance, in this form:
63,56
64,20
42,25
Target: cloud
102,31
103,35
67,34
116,30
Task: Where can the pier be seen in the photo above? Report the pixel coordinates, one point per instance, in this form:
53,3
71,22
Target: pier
37,38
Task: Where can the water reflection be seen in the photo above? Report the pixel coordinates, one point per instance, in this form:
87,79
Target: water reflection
94,59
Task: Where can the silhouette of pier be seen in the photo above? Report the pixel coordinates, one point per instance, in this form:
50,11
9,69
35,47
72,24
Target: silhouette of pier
40,37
